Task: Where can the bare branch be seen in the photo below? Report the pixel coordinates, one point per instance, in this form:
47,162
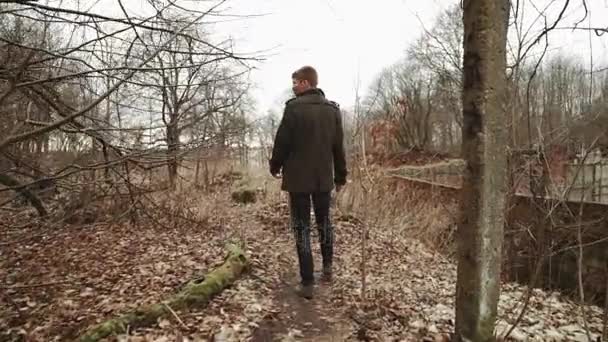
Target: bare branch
67,119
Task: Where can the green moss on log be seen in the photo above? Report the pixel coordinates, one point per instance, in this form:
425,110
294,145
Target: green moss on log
244,196
195,294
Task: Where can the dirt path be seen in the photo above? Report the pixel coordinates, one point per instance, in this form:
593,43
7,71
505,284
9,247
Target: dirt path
295,318
301,319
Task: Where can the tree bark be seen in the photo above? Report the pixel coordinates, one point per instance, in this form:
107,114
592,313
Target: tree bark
484,142
172,151
9,181
198,169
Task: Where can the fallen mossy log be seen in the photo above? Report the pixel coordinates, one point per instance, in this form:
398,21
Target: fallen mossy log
454,167
244,196
194,294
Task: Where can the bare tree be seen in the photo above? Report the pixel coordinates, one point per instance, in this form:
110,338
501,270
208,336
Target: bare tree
78,87
480,230
403,95
194,82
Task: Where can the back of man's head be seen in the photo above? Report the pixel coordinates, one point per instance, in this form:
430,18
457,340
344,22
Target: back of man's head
306,73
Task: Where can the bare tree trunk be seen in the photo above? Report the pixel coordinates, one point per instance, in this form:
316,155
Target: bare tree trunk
106,159
172,150
198,169
93,157
451,136
484,139
426,122
133,210
206,174
9,181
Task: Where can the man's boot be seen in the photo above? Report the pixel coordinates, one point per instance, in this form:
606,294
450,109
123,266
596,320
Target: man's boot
306,291
327,273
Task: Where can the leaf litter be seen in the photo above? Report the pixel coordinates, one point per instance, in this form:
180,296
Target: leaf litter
99,272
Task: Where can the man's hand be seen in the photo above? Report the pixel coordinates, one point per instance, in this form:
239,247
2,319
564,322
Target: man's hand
274,171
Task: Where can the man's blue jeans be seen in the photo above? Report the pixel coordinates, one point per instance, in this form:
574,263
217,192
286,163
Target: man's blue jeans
300,223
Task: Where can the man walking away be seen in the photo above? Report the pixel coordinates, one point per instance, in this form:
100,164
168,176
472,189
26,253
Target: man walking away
309,150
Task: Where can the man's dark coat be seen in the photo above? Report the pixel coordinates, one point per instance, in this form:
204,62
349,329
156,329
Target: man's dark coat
309,146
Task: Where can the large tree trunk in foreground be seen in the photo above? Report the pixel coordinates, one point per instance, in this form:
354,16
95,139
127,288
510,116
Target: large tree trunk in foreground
194,295
484,144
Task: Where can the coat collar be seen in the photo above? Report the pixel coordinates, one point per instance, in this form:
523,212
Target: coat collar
313,91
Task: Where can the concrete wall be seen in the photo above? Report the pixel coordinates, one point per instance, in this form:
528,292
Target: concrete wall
590,181
531,229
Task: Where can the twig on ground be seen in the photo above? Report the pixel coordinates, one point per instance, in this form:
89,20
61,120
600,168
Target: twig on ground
16,241
176,316
27,286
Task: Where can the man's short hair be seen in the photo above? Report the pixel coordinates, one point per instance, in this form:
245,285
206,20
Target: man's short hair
306,73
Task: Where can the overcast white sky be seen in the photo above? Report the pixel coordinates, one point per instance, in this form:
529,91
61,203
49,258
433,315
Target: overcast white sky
340,38
346,40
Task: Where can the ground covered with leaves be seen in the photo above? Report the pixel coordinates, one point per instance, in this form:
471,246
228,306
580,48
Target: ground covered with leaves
57,283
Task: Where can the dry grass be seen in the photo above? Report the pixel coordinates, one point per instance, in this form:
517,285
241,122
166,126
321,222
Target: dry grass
403,208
